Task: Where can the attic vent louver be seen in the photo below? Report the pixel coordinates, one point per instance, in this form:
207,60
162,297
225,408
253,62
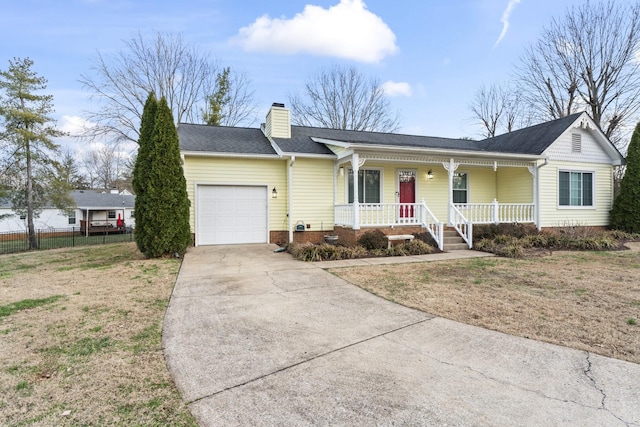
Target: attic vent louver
576,143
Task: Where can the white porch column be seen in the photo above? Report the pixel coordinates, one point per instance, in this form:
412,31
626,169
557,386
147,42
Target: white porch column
290,196
355,165
451,168
533,170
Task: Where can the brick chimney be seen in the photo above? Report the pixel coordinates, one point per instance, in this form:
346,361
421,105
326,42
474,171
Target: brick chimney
278,123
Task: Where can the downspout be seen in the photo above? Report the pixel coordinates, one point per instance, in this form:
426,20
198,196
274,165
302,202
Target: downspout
292,160
537,193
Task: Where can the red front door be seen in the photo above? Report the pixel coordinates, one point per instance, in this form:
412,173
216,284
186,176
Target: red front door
407,182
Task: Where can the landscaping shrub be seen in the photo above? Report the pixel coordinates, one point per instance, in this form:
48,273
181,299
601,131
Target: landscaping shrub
564,238
414,247
373,239
489,231
426,238
326,252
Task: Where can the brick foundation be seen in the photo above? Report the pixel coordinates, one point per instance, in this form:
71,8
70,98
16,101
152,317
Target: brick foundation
281,237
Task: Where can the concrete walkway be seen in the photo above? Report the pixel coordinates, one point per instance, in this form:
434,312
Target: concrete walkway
254,338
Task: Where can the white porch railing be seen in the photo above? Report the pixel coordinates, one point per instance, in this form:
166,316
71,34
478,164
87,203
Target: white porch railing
495,213
391,215
463,226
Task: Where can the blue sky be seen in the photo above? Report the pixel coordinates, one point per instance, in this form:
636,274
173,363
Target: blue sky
431,54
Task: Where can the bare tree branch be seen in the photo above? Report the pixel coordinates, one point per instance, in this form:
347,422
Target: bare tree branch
165,64
498,109
588,60
342,98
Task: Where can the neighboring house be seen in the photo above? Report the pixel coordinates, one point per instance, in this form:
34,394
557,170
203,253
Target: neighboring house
100,209
284,183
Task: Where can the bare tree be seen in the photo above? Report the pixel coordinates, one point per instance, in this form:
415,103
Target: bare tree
105,167
166,65
587,60
498,109
343,98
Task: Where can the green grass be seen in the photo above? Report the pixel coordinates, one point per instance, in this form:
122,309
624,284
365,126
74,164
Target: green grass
82,347
9,309
631,321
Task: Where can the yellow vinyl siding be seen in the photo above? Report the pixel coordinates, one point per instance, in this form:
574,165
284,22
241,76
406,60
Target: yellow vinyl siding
481,183
312,193
229,171
514,185
278,123
552,215
435,192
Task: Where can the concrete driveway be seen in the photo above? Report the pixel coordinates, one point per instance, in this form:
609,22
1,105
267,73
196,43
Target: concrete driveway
254,338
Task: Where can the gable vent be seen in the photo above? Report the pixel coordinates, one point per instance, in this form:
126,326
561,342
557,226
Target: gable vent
576,143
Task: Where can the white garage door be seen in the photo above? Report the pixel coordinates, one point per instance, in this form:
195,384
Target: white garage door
229,214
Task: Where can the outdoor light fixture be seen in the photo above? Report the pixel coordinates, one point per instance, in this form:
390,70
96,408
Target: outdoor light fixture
430,174
274,193
341,171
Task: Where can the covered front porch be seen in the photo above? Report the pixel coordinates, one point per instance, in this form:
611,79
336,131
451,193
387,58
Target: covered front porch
434,192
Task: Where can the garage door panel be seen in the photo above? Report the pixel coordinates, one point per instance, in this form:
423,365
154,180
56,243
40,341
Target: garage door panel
232,214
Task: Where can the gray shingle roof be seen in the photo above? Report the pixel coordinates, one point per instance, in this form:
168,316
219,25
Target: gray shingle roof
532,140
380,138
92,199
95,200
222,139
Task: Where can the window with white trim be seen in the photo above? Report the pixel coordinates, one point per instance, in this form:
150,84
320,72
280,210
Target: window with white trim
72,218
112,215
575,188
369,185
460,187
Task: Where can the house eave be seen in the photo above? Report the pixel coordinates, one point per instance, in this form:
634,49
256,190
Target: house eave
449,153
309,155
231,155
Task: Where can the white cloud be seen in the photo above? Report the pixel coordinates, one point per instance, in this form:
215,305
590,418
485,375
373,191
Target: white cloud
392,88
505,20
347,30
74,125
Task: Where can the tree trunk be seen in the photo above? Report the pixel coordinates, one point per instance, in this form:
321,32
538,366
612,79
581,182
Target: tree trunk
33,241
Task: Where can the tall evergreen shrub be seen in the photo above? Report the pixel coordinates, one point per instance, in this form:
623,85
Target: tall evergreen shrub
167,228
141,171
625,214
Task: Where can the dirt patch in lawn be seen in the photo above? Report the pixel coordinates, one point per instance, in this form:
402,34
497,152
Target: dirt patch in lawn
80,333
585,300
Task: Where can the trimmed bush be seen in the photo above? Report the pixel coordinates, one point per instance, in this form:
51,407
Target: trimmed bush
326,252
373,239
426,238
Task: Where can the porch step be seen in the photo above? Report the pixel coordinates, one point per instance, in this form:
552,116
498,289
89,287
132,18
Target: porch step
452,241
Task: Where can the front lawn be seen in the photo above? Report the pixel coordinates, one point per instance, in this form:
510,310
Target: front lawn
585,300
80,339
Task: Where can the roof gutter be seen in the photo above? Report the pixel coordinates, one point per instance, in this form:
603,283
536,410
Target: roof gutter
229,155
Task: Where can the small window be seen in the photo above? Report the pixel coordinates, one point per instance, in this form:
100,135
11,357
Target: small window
112,215
23,216
132,214
576,143
72,218
575,188
460,187
369,186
